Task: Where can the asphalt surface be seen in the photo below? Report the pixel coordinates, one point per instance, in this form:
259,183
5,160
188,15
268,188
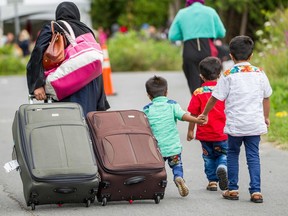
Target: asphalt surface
130,94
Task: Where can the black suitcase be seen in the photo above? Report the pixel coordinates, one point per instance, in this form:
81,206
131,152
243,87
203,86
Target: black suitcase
53,148
129,161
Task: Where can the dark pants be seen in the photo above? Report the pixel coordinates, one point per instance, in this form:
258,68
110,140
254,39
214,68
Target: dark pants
193,52
251,144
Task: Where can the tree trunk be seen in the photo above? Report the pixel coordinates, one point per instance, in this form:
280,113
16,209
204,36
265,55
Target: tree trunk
244,21
174,7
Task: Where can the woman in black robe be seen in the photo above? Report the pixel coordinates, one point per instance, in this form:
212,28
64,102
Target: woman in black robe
92,96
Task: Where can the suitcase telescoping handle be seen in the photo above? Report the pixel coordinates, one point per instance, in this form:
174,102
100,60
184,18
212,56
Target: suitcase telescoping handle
134,180
31,98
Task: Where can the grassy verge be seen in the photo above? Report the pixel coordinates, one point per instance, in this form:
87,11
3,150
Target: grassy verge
272,54
278,131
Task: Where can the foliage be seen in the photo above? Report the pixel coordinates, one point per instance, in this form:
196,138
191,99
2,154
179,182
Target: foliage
6,50
142,11
232,13
106,12
135,52
129,13
134,13
279,104
255,6
272,53
272,45
10,63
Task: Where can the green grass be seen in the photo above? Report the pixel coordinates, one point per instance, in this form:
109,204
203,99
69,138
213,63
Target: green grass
271,54
278,131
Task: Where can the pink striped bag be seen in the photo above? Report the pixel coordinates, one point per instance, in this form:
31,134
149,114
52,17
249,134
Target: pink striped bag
82,64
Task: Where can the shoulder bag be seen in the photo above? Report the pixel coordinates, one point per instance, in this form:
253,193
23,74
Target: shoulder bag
54,54
82,63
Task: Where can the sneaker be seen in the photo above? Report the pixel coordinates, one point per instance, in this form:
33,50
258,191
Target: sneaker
231,194
182,187
212,186
256,197
222,176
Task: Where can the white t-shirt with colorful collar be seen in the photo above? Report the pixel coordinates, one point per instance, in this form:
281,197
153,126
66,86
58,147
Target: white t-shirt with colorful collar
243,87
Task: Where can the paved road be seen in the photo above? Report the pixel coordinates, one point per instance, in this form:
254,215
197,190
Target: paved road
131,95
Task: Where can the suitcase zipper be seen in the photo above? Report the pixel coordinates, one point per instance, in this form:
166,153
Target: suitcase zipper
46,108
124,171
66,179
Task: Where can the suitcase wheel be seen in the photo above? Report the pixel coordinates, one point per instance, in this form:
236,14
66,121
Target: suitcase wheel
33,206
88,203
104,201
157,199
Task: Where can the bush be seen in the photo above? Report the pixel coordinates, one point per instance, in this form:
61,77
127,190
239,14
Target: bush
10,63
271,54
272,45
135,52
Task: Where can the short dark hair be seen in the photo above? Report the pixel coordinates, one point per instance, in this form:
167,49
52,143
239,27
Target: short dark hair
241,47
156,86
210,68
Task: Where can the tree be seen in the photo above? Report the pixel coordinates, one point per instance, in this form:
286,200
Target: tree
106,12
142,11
131,13
245,16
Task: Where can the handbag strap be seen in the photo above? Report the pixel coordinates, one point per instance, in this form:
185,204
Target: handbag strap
69,35
52,27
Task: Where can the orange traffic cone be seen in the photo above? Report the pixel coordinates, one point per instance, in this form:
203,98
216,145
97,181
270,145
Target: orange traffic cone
107,73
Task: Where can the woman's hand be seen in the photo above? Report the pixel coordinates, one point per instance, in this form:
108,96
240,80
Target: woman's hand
40,93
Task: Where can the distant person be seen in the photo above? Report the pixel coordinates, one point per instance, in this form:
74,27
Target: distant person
196,25
102,36
163,114
211,135
24,42
246,91
123,29
92,96
10,39
114,29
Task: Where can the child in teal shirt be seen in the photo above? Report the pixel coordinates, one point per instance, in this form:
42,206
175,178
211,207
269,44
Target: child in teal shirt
163,114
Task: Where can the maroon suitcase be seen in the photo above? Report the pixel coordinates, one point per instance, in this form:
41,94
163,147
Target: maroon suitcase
129,161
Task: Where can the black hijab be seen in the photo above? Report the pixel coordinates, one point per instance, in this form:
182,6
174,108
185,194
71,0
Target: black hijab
69,12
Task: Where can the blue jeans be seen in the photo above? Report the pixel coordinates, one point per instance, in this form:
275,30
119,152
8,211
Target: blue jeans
175,163
251,144
214,155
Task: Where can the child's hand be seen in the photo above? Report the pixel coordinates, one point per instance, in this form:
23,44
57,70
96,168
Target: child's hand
204,118
201,120
190,135
267,122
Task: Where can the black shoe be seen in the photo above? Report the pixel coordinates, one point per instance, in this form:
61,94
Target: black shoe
222,176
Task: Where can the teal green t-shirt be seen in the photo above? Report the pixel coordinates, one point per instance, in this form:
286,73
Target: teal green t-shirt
196,21
162,115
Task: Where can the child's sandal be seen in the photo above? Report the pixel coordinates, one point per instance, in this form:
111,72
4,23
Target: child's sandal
231,194
212,186
256,197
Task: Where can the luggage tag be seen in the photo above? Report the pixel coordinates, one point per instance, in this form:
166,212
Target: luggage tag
11,165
